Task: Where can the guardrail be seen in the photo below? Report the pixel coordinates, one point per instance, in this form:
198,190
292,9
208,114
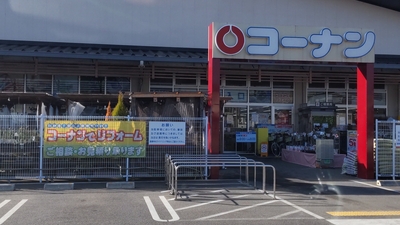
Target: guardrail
174,162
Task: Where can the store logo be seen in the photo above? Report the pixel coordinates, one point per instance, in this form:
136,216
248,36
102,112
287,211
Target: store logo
323,41
220,38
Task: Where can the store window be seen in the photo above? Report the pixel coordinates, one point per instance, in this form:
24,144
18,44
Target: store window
337,97
352,85
282,85
184,79
259,115
316,96
379,84
283,97
92,85
352,96
237,95
337,85
380,114
38,83
66,84
341,117
161,81
352,116
257,81
317,84
283,117
260,96
11,83
380,99
117,84
232,82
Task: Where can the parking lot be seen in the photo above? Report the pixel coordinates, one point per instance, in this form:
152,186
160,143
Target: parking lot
304,196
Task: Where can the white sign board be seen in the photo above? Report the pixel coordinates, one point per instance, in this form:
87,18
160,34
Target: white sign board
397,136
244,137
293,43
167,133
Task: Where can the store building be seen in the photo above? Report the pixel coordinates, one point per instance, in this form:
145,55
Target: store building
88,51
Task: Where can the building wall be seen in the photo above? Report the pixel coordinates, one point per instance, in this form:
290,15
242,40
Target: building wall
299,98
182,23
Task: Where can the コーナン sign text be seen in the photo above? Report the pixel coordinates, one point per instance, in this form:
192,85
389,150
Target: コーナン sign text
293,43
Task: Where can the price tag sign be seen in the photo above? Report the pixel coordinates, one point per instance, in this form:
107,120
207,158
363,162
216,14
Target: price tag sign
351,140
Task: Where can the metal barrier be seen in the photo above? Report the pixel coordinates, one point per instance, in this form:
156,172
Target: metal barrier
202,171
219,160
387,149
22,141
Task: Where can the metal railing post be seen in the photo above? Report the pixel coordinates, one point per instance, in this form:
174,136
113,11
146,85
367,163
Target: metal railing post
127,161
264,178
376,150
394,138
41,133
255,174
206,144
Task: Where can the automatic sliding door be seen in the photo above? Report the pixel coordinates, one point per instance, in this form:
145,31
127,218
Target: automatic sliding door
235,120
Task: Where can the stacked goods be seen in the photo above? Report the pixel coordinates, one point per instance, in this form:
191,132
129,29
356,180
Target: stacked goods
385,157
351,161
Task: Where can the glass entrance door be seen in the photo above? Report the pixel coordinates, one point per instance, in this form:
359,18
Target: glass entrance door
235,120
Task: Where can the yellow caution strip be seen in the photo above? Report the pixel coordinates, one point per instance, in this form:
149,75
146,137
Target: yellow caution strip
366,213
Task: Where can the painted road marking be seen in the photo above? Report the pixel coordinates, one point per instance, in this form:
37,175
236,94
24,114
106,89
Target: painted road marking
236,210
154,213
211,202
169,208
188,196
298,207
285,214
365,213
4,203
371,185
12,211
365,221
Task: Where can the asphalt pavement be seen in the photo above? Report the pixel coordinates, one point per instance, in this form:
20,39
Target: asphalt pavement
303,196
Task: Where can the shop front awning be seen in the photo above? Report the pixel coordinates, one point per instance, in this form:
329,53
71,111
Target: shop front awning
72,51
101,52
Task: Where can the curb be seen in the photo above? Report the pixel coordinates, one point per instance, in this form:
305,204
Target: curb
120,185
59,186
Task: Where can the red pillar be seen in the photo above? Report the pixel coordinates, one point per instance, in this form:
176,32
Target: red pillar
365,120
213,101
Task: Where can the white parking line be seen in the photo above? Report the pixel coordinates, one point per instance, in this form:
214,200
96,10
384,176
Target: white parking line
371,185
154,213
171,211
298,207
211,202
285,214
12,211
4,203
236,210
